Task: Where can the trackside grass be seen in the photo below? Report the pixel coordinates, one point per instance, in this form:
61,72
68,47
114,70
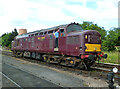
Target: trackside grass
113,57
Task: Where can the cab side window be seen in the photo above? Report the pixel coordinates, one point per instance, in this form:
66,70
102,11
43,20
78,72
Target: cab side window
62,32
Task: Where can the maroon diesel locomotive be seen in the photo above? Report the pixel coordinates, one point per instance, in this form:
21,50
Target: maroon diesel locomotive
76,47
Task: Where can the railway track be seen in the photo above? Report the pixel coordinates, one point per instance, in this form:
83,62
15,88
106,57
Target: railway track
107,65
98,71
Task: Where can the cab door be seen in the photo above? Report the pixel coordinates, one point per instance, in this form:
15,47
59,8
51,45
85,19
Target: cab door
62,41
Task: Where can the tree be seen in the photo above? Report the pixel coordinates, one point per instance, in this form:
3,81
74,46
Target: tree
3,34
91,26
112,39
7,38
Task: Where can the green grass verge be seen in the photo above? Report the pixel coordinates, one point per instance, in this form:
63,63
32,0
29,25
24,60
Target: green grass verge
113,57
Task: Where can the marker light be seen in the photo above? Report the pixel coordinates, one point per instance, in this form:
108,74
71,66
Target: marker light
85,36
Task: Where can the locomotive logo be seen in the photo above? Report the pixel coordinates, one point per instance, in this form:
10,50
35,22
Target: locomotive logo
41,38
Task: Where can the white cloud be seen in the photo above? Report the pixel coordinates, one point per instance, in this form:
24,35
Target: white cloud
38,14
105,12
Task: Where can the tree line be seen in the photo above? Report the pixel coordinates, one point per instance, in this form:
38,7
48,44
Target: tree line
6,38
110,39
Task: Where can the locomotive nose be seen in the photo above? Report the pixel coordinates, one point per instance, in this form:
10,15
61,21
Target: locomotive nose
92,41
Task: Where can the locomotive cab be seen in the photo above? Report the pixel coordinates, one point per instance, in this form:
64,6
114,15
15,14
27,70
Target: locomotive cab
92,46
85,44
73,27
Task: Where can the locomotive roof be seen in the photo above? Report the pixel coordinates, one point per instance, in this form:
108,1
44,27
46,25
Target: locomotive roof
56,27
52,28
43,30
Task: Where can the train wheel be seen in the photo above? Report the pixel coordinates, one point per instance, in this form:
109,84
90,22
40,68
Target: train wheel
14,53
33,55
89,63
81,65
22,54
45,59
48,60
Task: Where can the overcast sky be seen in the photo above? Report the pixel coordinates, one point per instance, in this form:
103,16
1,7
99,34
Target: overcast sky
36,14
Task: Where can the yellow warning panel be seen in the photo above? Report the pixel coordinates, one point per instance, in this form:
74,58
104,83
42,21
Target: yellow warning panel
93,48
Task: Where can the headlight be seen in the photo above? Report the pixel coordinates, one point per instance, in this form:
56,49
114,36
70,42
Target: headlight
85,36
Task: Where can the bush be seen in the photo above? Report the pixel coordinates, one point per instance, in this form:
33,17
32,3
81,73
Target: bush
117,48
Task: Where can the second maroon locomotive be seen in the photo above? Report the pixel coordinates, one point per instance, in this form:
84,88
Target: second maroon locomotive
76,47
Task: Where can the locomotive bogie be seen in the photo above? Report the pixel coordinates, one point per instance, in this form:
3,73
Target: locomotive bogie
27,54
